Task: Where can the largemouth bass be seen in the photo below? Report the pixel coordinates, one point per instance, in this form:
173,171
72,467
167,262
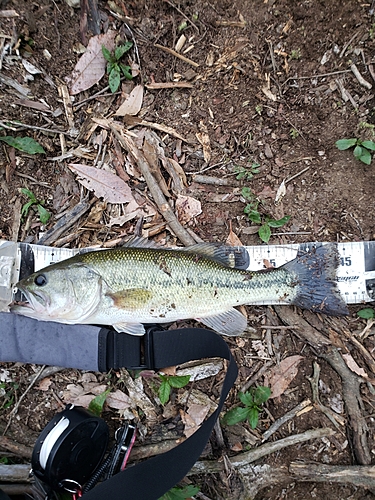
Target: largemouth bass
131,286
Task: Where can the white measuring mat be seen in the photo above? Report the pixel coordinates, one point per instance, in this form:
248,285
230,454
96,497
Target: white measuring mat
355,274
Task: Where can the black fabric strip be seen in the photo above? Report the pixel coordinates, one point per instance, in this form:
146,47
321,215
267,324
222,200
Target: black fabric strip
154,477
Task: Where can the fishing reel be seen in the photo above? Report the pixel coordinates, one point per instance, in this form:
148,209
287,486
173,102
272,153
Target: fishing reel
69,449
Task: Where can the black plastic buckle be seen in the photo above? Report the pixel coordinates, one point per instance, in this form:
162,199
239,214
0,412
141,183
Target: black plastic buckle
147,361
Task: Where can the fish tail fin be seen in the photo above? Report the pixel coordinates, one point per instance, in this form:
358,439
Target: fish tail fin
315,273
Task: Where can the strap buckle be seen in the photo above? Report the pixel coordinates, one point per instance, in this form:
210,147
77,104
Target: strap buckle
146,346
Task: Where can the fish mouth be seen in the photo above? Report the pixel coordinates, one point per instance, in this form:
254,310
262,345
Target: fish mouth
35,302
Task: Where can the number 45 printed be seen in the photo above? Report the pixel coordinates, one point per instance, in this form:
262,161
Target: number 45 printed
346,261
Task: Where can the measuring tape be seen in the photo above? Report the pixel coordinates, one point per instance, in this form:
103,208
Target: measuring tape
355,274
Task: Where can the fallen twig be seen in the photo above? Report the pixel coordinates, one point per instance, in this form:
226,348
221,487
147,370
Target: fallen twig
176,54
353,402
244,459
65,223
18,449
159,198
314,382
169,85
20,399
288,416
215,181
360,78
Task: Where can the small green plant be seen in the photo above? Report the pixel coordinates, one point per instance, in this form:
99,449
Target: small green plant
115,67
25,144
245,173
367,313
96,405
266,222
252,401
362,149
259,109
7,393
295,54
169,381
293,133
44,215
180,493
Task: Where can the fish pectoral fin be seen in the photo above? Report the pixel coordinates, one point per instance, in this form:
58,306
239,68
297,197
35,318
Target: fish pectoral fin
131,328
230,322
130,299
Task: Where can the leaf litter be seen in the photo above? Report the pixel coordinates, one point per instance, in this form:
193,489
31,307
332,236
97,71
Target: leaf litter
208,145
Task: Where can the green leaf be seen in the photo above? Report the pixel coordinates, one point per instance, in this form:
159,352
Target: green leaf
279,222
246,398
25,208
29,194
365,156
25,144
261,394
367,313
96,405
265,233
358,151
122,49
164,392
44,215
343,144
254,216
178,493
247,193
236,415
114,79
253,417
126,71
369,145
178,381
107,55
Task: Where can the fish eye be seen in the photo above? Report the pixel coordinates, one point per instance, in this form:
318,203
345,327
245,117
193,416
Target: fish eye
40,280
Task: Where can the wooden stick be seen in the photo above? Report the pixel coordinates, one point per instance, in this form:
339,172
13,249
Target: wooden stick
176,54
159,198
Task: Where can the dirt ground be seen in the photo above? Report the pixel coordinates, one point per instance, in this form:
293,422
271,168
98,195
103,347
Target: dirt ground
267,82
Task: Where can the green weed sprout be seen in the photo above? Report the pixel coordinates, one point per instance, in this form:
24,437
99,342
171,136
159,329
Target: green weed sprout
169,381
252,401
179,493
244,173
44,215
362,149
115,67
266,222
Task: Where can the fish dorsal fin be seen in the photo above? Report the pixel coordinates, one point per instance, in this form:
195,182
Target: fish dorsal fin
235,257
140,242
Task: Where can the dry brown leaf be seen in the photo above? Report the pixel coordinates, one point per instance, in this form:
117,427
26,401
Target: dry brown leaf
282,375
44,384
353,365
187,208
91,66
118,400
193,417
104,184
133,103
233,240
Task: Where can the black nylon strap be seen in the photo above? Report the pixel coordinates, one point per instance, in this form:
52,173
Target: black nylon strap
93,348
154,477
